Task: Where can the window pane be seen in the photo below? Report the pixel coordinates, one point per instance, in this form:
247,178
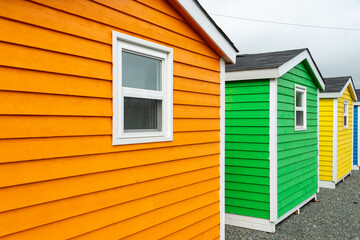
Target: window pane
141,72
299,118
298,99
142,114
345,121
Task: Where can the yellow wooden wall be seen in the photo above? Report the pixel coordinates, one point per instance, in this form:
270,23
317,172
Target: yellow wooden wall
326,139
344,144
60,176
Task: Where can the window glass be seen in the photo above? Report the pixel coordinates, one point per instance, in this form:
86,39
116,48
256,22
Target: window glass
141,114
299,99
299,118
140,71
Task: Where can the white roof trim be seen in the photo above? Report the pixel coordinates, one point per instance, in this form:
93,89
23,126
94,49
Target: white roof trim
339,94
276,72
191,7
252,74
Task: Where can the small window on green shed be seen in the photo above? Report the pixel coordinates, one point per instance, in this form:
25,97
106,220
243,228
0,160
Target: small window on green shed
346,114
300,108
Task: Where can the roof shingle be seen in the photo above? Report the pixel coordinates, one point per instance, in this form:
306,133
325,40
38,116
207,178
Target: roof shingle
335,84
262,60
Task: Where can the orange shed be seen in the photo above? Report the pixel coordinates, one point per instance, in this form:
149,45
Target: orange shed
110,118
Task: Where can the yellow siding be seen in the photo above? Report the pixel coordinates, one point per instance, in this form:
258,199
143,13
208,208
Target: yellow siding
326,139
344,144
60,176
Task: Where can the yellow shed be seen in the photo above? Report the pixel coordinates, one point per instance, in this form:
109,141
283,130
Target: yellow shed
110,118
336,130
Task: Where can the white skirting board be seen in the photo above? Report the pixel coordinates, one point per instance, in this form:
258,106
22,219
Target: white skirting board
327,184
355,167
249,222
260,223
330,184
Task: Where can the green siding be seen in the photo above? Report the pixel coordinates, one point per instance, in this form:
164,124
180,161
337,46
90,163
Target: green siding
297,150
247,148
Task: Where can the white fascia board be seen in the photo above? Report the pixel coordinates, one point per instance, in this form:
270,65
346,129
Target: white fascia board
252,74
349,82
329,95
298,59
193,10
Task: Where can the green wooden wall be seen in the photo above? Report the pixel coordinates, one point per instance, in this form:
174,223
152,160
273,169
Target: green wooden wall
297,150
247,148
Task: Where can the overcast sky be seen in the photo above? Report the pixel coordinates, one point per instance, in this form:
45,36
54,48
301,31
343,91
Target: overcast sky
336,52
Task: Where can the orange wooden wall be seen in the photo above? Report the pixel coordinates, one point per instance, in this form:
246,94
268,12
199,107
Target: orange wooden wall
60,176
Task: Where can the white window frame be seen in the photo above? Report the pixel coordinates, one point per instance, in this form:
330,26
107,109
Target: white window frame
302,89
346,113
138,46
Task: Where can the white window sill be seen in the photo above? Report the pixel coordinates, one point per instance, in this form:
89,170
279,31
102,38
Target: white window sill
300,128
124,141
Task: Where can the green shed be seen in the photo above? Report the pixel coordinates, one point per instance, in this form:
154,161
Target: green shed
271,137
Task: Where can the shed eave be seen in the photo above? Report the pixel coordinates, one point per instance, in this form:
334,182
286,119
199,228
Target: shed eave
252,74
305,55
200,20
329,95
339,94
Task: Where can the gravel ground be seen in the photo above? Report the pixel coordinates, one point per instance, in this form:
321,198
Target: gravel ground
336,216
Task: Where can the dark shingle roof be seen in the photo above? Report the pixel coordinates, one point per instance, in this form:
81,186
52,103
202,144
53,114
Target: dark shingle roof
358,94
263,60
335,84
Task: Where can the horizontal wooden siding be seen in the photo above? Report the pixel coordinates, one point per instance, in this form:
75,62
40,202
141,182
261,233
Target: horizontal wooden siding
247,148
297,150
344,144
355,136
60,176
326,138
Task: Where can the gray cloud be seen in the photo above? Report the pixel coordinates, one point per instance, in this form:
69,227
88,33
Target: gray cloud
336,52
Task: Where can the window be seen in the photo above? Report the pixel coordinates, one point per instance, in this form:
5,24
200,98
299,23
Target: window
346,114
142,91
300,108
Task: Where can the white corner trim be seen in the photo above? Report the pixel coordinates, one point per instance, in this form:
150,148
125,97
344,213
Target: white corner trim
296,60
335,133
250,222
288,213
318,137
222,149
327,184
203,21
252,74
273,149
